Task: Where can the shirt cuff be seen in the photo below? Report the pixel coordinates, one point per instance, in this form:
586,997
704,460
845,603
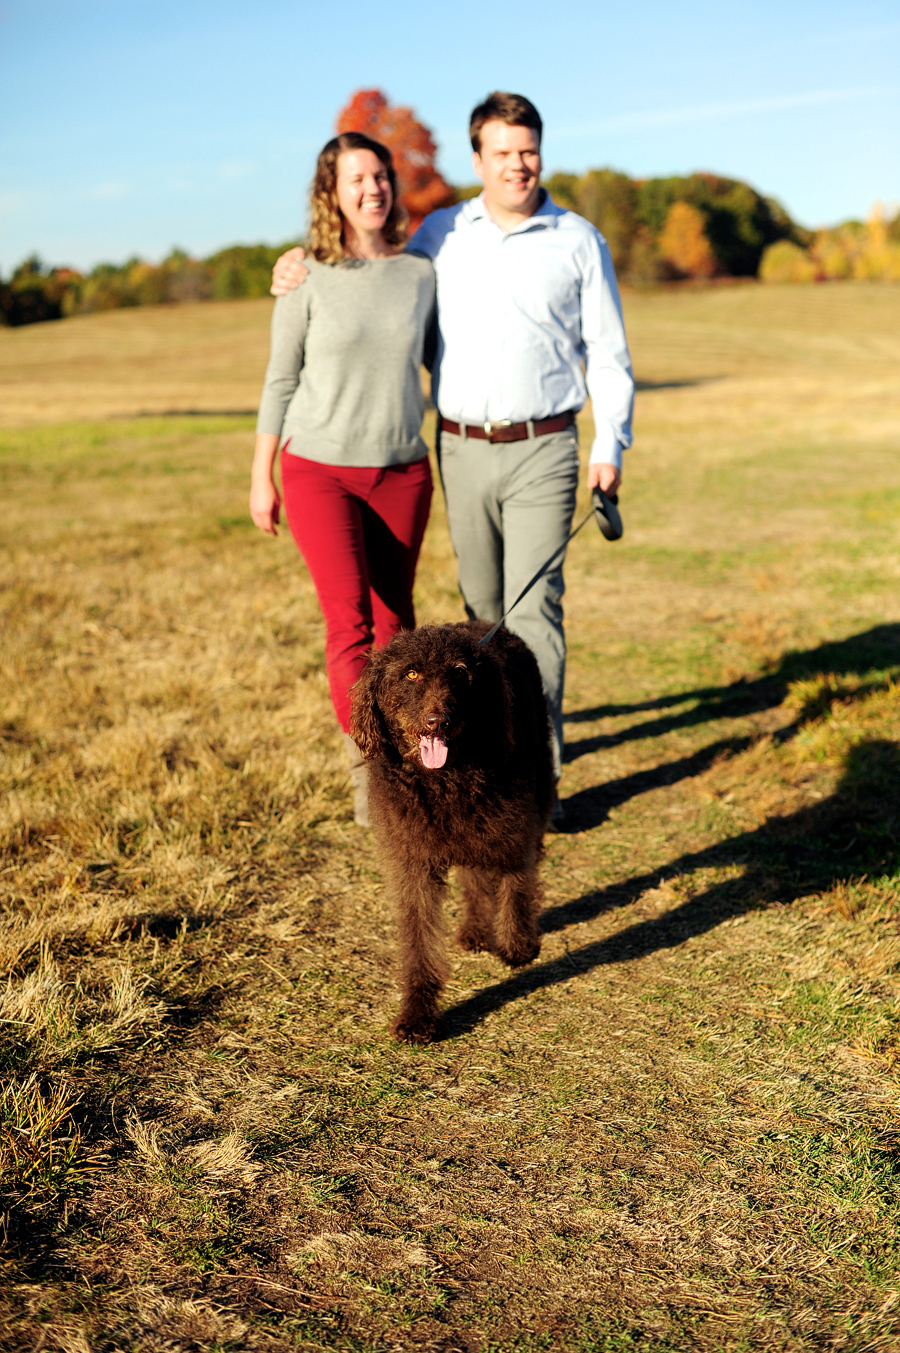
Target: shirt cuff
607,449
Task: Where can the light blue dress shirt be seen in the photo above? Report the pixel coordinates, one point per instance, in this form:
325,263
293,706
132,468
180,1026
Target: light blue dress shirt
529,321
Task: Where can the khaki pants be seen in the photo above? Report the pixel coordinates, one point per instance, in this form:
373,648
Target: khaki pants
510,505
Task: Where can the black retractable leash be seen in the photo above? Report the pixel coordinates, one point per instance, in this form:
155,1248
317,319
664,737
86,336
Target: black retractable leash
604,508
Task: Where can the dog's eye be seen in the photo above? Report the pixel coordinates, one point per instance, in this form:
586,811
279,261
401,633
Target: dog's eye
412,675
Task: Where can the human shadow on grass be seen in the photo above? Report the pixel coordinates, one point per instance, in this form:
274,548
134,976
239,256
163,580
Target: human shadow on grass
855,830
591,807
642,386
198,413
874,650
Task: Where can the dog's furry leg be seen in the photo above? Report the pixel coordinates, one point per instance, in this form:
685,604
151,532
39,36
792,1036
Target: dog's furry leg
478,893
419,893
517,939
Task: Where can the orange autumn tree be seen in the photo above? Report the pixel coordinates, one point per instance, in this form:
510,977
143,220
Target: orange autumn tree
683,241
422,187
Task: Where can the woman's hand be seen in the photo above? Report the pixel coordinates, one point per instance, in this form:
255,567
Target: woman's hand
265,500
265,506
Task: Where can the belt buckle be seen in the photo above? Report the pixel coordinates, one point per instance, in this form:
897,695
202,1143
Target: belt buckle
489,427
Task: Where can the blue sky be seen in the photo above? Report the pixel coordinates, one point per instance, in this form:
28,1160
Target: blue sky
127,127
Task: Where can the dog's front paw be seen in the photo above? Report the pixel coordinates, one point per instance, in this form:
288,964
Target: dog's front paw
410,1027
518,954
473,939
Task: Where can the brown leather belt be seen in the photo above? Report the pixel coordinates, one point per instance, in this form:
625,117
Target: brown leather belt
507,431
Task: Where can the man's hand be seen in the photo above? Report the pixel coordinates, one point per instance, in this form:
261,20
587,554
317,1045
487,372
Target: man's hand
289,272
605,477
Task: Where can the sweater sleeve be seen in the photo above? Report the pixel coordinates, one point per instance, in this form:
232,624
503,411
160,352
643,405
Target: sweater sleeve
290,320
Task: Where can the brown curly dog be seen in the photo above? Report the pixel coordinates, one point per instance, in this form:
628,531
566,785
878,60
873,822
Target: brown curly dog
457,739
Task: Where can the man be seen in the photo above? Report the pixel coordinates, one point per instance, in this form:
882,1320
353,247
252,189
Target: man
529,324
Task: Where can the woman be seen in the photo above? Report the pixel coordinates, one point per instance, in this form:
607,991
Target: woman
343,388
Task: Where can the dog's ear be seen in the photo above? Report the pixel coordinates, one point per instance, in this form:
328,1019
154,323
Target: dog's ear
367,726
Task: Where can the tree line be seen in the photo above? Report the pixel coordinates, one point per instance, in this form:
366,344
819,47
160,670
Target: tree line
704,225
868,251
36,292
659,230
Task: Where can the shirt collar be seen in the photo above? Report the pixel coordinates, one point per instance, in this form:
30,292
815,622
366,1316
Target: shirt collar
547,214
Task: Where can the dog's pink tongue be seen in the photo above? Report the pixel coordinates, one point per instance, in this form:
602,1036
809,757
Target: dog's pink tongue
433,751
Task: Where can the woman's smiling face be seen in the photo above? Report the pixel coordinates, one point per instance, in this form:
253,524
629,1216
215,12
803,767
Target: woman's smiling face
363,190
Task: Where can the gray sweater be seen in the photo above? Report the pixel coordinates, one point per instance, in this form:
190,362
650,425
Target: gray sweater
343,380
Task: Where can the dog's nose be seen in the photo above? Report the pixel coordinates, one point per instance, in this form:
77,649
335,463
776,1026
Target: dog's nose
433,721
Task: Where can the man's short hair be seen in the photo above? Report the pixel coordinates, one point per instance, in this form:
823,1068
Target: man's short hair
513,109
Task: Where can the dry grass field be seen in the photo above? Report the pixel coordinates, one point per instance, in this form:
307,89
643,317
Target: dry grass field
679,1128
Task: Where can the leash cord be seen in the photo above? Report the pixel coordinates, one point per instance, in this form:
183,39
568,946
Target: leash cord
537,577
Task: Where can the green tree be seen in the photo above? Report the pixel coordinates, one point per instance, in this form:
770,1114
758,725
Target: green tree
32,294
242,270
563,188
739,222
785,261
609,200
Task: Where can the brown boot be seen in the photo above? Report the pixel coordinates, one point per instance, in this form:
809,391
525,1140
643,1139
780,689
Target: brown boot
359,780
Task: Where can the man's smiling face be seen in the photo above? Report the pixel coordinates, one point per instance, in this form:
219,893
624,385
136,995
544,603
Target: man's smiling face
509,163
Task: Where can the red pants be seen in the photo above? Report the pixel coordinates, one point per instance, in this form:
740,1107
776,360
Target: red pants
360,531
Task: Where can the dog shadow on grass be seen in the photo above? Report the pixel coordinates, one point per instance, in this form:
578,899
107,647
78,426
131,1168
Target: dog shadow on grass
855,830
874,650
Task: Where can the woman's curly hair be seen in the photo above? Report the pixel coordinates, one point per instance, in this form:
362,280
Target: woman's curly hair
326,228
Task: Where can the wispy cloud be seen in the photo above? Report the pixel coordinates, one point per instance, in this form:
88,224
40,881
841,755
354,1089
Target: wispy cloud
862,33
177,181
712,112
23,200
